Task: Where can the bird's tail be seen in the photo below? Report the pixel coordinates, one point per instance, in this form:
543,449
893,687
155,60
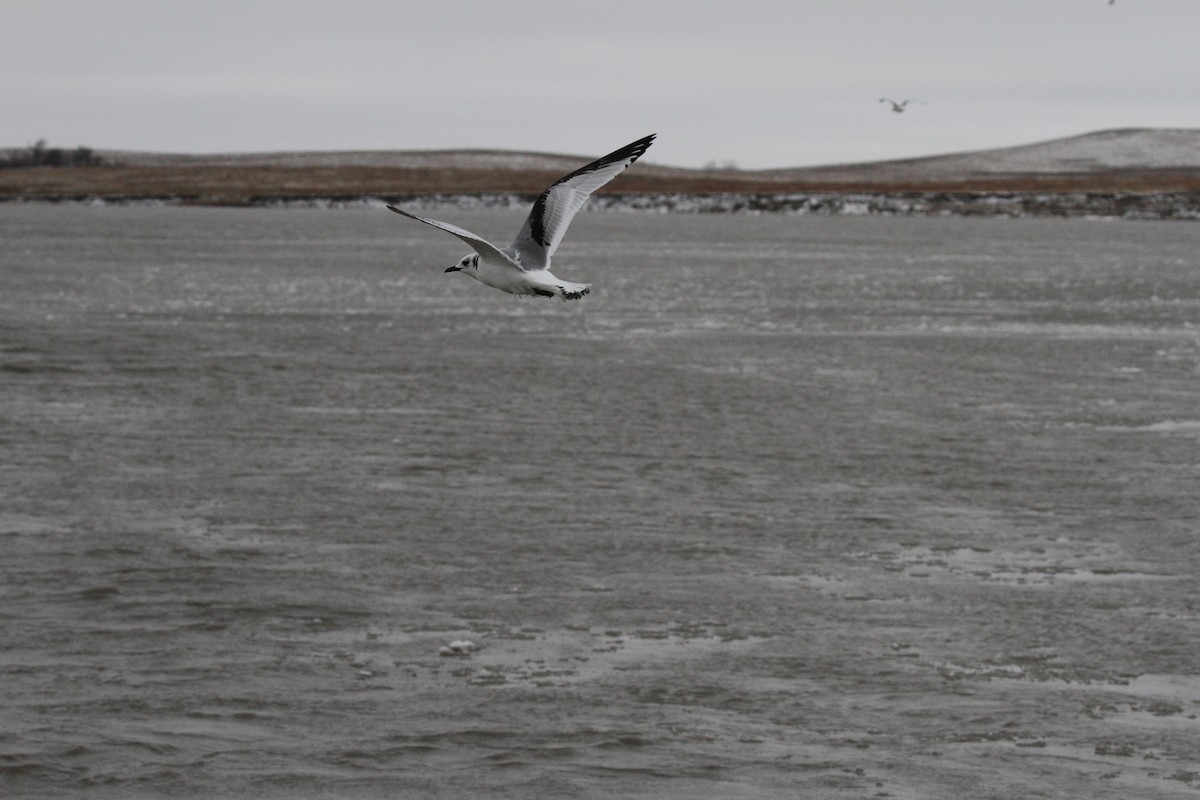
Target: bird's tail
573,291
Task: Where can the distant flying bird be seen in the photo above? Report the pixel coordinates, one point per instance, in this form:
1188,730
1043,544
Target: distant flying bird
524,266
898,107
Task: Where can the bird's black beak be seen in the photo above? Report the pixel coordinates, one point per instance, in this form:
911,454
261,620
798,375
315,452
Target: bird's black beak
454,269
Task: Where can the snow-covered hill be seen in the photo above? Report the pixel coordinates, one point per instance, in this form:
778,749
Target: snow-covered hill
1124,149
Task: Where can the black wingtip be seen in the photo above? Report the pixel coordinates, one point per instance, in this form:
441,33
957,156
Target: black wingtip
634,150
393,208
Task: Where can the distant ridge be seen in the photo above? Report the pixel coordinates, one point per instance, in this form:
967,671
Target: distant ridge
395,159
1125,148
1135,160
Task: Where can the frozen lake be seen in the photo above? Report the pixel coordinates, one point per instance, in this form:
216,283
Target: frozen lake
788,506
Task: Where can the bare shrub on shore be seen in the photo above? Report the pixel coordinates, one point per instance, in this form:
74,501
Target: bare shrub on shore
39,155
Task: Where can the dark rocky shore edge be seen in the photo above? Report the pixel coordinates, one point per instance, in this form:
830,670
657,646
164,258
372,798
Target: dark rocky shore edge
1116,205
1181,206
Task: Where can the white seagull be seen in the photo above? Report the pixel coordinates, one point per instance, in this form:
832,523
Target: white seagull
898,107
524,266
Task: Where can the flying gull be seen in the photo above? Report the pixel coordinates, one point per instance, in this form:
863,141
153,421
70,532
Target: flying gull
524,266
898,107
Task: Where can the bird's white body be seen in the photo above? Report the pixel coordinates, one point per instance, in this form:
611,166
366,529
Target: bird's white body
539,282
523,268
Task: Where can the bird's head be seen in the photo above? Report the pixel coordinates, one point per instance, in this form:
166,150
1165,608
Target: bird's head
468,263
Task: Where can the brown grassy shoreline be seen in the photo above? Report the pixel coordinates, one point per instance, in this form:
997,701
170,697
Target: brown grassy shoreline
249,184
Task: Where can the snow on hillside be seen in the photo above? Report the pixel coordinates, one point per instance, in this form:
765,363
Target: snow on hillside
1116,149
1131,148
408,159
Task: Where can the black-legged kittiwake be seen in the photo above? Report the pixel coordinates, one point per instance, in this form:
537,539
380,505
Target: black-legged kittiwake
524,266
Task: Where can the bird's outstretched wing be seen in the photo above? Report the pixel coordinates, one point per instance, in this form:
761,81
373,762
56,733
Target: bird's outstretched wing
481,245
555,207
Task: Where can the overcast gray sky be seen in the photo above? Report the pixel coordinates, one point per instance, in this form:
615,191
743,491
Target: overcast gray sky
761,83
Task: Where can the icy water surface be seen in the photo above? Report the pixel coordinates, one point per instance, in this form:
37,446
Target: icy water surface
788,507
